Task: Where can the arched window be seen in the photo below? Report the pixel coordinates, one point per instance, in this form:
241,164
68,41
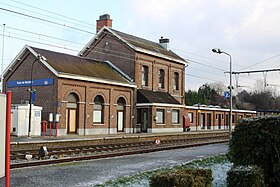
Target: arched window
176,81
145,71
98,109
161,79
72,98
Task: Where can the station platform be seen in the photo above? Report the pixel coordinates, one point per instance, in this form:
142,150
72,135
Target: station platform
75,137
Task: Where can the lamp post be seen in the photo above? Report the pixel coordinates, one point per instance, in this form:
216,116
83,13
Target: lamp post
31,91
219,51
198,110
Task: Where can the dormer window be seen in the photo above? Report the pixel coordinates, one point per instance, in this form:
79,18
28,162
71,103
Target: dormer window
176,81
145,73
161,79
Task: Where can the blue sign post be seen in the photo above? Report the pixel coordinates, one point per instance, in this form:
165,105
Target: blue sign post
226,94
33,96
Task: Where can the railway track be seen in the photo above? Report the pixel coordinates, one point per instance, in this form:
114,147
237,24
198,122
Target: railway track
57,155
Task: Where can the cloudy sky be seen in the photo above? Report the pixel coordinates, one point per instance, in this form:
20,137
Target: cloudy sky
246,29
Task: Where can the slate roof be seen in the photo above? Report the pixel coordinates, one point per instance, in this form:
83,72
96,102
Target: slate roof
69,64
148,96
147,45
138,44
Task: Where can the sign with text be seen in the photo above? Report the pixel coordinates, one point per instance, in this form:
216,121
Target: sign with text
37,82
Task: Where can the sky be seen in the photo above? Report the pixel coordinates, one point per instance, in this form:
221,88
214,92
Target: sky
248,30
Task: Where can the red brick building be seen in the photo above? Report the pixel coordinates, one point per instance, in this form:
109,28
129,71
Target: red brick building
118,83
158,73
92,97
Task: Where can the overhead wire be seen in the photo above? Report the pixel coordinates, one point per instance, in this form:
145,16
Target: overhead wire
262,61
93,33
100,52
201,56
45,20
44,35
97,51
66,48
38,8
76,23
52,22
206,78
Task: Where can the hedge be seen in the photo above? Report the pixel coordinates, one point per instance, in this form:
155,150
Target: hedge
256,141
185,177
251,176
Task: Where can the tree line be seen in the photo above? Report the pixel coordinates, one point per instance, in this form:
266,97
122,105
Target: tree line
213,94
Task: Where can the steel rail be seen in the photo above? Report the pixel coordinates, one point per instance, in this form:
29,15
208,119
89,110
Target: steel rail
106,155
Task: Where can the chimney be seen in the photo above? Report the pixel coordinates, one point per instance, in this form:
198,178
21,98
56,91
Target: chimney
164,42
104,20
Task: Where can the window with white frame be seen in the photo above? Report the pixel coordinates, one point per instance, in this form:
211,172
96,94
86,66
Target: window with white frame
175,116
160,116
98,109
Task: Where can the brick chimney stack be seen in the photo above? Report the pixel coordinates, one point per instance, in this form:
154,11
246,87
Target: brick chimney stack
104,20
164,42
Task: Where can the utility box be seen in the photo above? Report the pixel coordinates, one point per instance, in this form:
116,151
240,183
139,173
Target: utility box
2,133
20,120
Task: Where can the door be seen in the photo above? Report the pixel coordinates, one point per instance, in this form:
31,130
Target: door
72,121
144,122
120,121
209,121
227,121
72,114
219,121
203,120
121,115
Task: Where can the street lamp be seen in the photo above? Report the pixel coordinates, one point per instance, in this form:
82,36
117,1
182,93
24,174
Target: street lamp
219,51
31,91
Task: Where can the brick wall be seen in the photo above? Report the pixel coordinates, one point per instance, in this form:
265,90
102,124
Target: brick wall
154,65
86,92
45,95
108,47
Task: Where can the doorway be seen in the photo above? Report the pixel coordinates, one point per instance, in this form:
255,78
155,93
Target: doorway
203,121
72,114
209,121
120,115
219,121
144,122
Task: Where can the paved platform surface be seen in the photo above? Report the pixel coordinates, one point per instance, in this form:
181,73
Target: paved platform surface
91,173
15,140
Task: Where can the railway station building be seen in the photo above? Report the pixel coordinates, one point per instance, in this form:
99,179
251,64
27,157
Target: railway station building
118,83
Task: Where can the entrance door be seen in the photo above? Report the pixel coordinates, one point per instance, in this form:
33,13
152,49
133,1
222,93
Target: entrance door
144,122
227,121
120,121
219,121
209,121
72,113
121,115
203,120
72,121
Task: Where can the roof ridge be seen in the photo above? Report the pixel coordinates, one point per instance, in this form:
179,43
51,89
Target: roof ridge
137,37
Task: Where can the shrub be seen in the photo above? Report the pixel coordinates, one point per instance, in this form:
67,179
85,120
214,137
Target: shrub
257,142
251,176
184,177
